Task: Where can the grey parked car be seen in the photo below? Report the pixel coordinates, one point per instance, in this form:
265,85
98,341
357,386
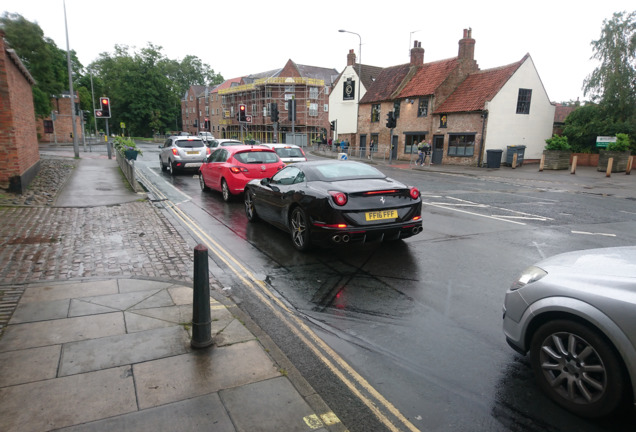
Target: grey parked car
576,315
180,153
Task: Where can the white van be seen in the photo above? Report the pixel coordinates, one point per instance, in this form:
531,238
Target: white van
205,136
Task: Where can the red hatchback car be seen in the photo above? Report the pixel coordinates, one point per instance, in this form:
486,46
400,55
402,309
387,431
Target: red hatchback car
230,168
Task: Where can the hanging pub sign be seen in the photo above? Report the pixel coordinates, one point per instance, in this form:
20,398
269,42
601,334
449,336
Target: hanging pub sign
349,90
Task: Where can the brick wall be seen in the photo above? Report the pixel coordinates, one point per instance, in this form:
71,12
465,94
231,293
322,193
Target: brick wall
63,123
19,154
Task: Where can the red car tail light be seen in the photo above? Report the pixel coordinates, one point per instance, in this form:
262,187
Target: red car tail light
340,198
415,193
237,170
381,192
175,151
208,151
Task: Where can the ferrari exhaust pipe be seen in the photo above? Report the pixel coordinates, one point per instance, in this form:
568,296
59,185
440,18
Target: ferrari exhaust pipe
417,229
345,238
336,238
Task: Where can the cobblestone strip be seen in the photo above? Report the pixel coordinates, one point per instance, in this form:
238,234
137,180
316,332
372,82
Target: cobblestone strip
128,240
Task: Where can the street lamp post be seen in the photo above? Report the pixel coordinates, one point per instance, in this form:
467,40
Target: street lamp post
359,74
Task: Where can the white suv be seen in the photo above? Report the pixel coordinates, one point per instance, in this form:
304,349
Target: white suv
181,153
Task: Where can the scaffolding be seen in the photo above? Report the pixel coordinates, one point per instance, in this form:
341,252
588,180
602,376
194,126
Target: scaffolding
312,109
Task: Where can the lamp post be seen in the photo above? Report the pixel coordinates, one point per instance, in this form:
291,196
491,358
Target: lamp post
359,74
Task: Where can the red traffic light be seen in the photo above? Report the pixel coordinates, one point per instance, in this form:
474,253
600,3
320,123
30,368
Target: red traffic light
104,101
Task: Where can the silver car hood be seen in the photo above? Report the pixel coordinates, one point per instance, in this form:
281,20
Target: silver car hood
615,261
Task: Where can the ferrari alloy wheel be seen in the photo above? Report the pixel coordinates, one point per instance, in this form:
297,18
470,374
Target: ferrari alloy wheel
250,211
225,190
577,368
202,182
299,229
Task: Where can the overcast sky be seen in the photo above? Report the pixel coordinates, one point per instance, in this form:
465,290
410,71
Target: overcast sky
240,37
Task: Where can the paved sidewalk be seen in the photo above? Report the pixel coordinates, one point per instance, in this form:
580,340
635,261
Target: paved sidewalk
97,291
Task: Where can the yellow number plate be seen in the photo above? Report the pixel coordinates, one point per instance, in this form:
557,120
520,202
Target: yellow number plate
192,152
381,215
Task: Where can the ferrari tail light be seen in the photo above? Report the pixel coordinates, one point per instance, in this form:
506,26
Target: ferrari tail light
381,192
415,193
340,198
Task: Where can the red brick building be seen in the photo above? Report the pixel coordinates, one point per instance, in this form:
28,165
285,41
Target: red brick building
19,153
60,129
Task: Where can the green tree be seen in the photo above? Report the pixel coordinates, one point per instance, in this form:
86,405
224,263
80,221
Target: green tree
613,84
43,59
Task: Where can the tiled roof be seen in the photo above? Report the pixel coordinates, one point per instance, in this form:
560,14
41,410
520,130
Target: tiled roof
561,112
369,74
478,88
228,83
428,78
386,84
325,74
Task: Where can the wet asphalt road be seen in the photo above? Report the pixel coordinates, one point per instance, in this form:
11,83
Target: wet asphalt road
421,319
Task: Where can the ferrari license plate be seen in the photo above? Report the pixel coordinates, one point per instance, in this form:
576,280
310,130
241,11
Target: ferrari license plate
381,215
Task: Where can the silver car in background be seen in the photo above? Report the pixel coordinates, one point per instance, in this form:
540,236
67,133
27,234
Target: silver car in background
576,315
179,153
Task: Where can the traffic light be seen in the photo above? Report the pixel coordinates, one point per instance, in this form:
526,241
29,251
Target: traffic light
390,120
104,102
242,114
274,112
85,116
333,125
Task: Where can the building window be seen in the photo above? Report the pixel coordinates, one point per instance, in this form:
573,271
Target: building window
411,141
326,90
422,107
289,89
523,101
268,92
313,92
396,109
313,109
375,113
254,110
48,126
461,145
326,108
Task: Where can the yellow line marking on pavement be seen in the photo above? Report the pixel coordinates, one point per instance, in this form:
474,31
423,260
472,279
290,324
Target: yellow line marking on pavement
267,297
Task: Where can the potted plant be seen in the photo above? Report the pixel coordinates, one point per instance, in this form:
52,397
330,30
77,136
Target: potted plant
618,151
127,147
557,153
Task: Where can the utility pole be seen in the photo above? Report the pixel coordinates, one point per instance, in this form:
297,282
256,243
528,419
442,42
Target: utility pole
70,85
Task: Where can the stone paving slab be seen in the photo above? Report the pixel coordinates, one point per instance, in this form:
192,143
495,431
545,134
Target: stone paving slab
271,405
204,413
67,401
57,291
31,335
108,352
201,372
29,365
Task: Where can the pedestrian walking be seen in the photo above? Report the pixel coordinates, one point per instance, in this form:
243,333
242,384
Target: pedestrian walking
371,148
427,151
420,154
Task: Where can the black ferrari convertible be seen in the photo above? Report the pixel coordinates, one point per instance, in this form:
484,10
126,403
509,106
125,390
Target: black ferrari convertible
335,202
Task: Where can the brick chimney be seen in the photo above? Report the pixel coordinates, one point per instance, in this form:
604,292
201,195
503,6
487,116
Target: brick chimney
467,46
417,54
351,58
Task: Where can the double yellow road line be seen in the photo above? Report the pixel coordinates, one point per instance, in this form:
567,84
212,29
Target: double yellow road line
384,411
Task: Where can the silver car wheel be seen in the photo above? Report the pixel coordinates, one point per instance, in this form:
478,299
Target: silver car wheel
299,229
577,368
250,211
225,190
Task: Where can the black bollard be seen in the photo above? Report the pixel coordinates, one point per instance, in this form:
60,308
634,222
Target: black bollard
201,321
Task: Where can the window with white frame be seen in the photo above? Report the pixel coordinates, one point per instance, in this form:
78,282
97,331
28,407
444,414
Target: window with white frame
461,145
326,108
313,109
289,89
313,92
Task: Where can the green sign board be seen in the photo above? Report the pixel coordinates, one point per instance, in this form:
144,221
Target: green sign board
603,141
